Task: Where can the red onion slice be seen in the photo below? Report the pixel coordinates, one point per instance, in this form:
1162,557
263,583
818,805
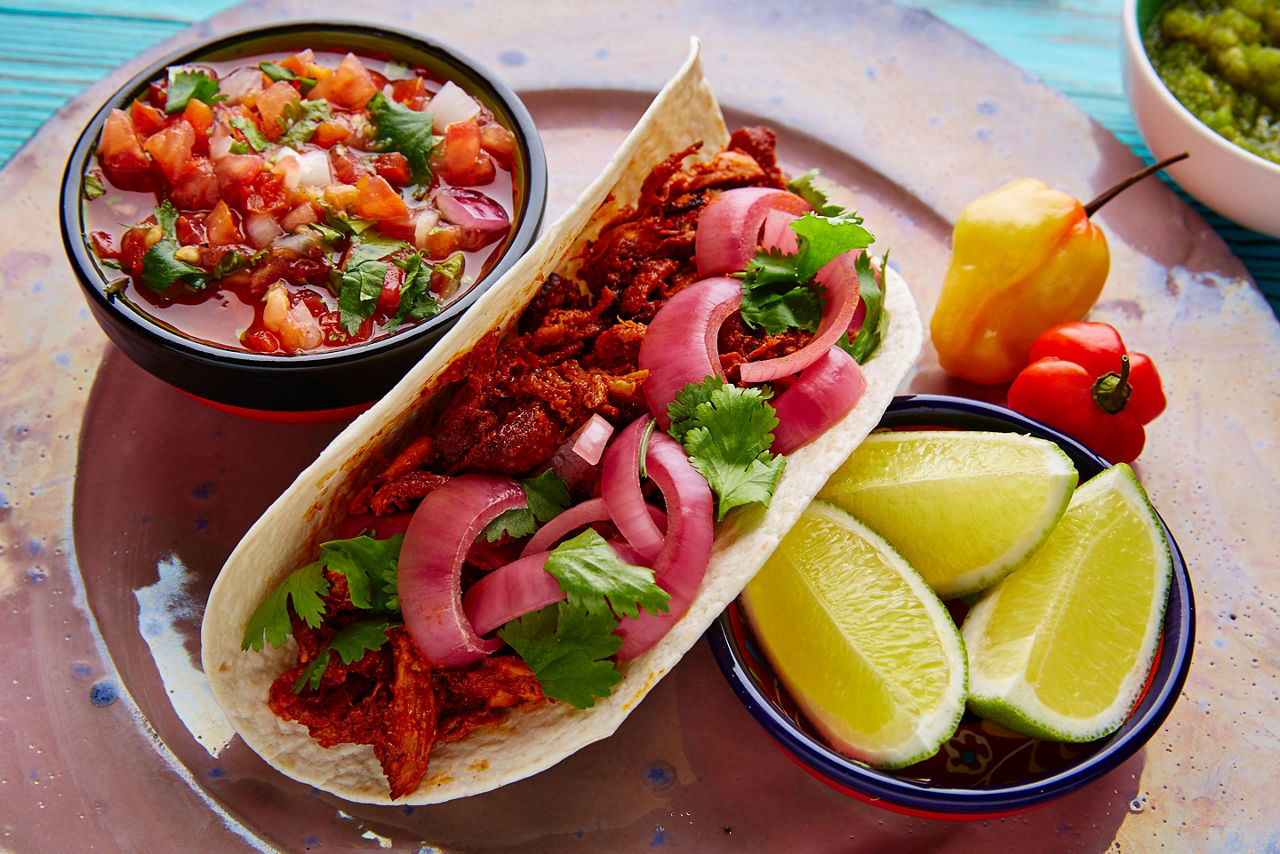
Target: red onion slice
840,278
824,393
591,510
521,587
777,232
729,228
620,491
680,345
443,528
481,219
682,563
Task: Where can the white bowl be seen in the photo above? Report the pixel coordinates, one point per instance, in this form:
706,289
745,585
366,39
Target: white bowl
1234,182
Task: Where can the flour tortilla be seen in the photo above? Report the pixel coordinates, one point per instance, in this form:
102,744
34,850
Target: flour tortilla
528,741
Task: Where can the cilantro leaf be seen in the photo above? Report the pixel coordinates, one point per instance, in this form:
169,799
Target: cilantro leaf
567,647
370,566
227,264
161,269
185,85
874,322
305,588
279,72
361,280
727,432
416,300
398,128
351,643
548,497
593,577
93,187
167,217
774,300
251,133
300,120
823,238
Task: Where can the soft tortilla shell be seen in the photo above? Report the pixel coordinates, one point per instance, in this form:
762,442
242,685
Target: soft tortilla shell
685,111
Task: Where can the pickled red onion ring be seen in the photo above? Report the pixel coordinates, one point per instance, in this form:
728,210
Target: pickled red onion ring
680,346
777,232
682,563
729,227
823,394
620,491
443,528
840,278
591,510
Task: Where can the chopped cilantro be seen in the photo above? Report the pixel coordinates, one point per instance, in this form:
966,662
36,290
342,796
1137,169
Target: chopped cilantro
227,264
279,72
185,85
370,567
567,648
351,643
92,187
548,497
362,278
251,133
864,346
329,235
804,187
416,300
300,120
161,268
398,128
727,432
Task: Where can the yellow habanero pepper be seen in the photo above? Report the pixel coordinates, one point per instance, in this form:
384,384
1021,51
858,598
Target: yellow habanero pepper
1023,258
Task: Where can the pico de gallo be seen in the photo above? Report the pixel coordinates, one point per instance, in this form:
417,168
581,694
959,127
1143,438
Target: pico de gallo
299,203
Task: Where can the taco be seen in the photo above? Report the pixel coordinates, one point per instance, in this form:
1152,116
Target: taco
370,694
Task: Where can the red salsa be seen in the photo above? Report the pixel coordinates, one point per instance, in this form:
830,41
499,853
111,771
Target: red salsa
299,203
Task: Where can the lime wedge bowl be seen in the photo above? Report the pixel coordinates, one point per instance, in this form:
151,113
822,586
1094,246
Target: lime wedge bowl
977,773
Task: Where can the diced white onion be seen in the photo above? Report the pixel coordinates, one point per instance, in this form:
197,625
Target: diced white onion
313,169
261,229
427,219
450,105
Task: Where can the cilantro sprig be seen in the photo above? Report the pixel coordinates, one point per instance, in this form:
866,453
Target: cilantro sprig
777,289
161,268
568,645
360,280
398,128
371,569
727,431
547,495
875,321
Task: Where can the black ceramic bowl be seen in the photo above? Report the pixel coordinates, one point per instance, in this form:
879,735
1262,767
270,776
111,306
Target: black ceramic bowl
306,386
983,771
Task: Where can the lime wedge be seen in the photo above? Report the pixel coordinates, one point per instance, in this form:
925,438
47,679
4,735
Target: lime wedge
859,640
1061,648
965,508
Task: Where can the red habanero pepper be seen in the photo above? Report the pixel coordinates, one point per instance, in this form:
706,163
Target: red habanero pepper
1082,381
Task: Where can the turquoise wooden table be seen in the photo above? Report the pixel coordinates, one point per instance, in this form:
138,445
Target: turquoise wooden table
1073,45
120,497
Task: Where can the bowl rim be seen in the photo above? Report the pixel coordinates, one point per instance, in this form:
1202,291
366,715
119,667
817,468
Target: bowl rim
155,333
1169,670
1137,50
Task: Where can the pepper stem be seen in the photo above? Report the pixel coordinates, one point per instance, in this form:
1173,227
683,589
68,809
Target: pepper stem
1111,390
1092,208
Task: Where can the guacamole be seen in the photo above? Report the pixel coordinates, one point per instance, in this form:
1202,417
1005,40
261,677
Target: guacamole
1221,59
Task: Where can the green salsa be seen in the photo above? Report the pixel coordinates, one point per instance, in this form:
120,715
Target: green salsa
1221,59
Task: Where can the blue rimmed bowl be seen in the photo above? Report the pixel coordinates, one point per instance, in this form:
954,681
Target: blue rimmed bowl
983,771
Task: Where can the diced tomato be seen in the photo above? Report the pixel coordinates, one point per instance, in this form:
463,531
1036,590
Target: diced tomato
124,161
463,162
411,92
379,200
171,148
271,105
499,142
134,245
329,133
299,61
197,188
103,246
335,333
260,340
189,230
392,166
221,226
389,296
146,118
301,215
441,241
348,167
351,85
199,115
158,94
267,194
236,173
